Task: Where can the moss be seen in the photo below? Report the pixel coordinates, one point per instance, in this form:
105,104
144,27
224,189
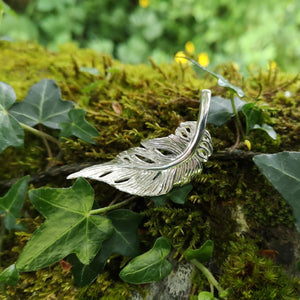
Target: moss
248,275
127,104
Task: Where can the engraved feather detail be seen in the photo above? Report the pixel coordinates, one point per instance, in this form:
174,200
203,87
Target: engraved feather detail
161,163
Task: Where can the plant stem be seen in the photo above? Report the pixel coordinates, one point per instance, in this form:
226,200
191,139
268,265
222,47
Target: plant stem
111,207
236,114
40,134
211,279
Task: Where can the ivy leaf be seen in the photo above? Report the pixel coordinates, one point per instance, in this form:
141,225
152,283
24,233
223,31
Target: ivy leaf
254,117
11,204
206,296
42,105
10,275
150,266
177,195
124,241
252,114
221,111
268,129
11,132
221,80
78,126
203,254
282,170
69,227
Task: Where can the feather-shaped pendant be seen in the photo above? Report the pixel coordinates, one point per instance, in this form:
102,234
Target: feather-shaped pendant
159,164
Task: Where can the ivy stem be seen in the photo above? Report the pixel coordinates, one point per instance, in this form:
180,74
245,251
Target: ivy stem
40,134
240,128
211,279
111,207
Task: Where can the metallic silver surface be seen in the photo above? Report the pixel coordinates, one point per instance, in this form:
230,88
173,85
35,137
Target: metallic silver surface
161,163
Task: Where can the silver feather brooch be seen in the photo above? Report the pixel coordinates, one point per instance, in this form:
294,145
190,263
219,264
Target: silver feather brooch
161,163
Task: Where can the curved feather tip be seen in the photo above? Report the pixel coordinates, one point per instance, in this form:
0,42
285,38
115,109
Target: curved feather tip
159,164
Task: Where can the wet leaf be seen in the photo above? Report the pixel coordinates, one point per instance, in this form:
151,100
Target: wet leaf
221,80
151,266
11,132
203,254
10,275
42,105
69,227
78,126
283,171
221,111
12,203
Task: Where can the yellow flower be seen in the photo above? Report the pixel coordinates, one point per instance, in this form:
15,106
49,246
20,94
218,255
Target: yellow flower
180,57
190,47
144,3
203,59
272,65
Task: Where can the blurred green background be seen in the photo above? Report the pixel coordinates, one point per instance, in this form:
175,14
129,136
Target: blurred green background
255,32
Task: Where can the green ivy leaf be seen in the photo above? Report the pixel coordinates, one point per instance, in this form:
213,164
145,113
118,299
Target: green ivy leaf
253,117
252,114
268,129
283,171
69,227
178,195
10,275
11,204
11,132
221,80
206,296
203,254
42,105
124,241
78,126
150,266
221,111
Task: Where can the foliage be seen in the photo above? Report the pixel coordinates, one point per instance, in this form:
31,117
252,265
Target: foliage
282,170
42,105
162,28
150,266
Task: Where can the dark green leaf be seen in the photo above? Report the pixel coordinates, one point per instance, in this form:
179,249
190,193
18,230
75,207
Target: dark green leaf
10,275
150,266
206,296
221,111
11,204
69,227
124,241
283,171
203,254
78,126
86,274
252,114
178,195
42,105
221,80
11,132
268,129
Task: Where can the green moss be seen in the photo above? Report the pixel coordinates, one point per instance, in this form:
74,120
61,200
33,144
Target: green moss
127,104
249,275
